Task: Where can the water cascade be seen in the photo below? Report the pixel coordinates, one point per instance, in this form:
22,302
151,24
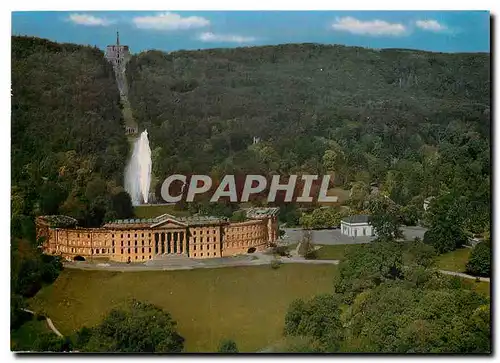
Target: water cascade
138,171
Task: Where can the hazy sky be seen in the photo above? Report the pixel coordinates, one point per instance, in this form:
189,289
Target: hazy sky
443,31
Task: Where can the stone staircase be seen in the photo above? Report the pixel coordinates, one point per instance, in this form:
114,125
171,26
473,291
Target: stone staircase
172,260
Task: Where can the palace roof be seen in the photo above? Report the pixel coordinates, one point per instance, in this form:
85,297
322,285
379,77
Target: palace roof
362,218
164,218
259,213
60,221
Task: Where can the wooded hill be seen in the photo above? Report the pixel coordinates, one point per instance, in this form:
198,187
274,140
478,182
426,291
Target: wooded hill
68,144
417,123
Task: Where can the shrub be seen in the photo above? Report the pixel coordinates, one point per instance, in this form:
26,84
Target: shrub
275,264
311,255
480,260
227,346
281,251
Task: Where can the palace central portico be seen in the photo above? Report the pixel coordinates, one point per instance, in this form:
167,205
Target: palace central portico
139,240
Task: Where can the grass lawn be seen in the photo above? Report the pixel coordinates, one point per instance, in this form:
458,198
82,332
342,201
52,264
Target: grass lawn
152,211
22,339
451,261
481,287
247,304
454,260
334,252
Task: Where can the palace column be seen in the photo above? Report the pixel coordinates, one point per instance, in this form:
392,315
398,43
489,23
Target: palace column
177,244
185,242
172,242
182,242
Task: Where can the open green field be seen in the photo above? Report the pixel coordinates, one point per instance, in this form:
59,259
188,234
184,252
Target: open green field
247,304
481,287
450,261
22,339
153,210
334,252
454,260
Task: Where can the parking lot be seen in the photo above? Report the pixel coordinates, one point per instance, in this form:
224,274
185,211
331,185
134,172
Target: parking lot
334,236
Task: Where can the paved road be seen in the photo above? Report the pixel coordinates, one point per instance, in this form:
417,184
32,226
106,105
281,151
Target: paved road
465,276
261,259
49,322
334,236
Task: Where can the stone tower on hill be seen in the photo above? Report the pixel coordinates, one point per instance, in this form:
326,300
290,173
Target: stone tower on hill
119,55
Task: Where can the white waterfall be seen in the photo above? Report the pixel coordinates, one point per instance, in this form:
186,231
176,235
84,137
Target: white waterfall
138,171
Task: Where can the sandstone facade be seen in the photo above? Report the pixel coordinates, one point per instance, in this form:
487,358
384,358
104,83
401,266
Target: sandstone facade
139,240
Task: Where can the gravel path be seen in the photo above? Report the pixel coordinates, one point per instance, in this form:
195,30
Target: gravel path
261,260
49,323
465,276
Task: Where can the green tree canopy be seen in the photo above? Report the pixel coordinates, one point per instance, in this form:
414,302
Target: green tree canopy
142,327
227,346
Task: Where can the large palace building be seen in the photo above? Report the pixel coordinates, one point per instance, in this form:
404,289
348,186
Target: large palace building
139,240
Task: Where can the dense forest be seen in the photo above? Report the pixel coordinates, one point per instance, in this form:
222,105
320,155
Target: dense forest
68,145
68,151
415,123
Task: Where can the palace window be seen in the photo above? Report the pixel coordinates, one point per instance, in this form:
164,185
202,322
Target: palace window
195,255
102,251
97,251
142,249
194,247
129,235
136,242
143,242
149,249
122,251
142,234
129,243
135,235
136,257
88,235
143,257
128,250
113,243
201,254
149,256
113,235
113,250
136,250
121,235
122,243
